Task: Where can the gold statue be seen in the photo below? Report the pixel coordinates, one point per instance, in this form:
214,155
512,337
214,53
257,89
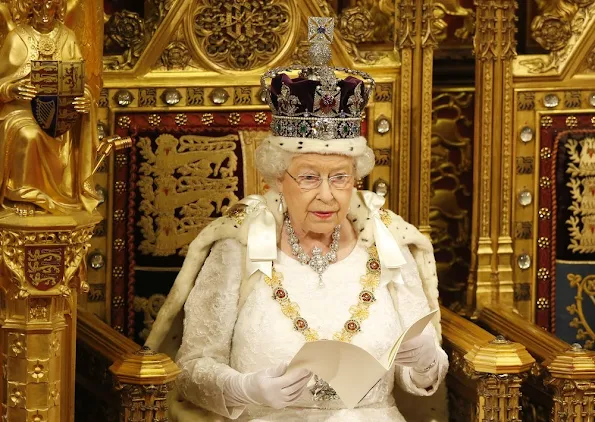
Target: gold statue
42,170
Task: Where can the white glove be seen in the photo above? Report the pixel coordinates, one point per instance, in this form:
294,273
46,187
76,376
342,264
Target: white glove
418,353
272,387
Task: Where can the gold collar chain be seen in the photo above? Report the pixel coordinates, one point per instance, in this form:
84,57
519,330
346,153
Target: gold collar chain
359,312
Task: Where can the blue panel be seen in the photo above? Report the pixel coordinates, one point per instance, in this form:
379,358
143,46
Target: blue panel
571,300
45,111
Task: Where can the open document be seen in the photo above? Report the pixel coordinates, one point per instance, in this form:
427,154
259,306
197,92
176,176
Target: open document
350,370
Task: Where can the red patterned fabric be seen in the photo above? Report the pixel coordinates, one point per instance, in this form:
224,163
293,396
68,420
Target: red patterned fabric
552,207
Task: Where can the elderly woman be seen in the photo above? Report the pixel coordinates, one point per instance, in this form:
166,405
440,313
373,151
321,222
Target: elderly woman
312,259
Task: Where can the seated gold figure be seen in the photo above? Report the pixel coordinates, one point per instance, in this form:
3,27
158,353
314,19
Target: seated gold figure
40,172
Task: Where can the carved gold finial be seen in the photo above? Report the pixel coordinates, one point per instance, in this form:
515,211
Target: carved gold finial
500,356
571,376
575,363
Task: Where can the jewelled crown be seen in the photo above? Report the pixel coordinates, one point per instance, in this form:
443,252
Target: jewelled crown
318,104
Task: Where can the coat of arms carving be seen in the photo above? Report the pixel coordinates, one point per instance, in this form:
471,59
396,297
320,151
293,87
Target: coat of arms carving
58,83
44,265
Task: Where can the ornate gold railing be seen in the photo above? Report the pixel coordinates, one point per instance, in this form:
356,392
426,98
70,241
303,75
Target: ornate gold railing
568,372
486,372
123,381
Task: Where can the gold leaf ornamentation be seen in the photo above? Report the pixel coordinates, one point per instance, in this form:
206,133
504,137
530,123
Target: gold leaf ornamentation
253,34
581,168
585,287
175,56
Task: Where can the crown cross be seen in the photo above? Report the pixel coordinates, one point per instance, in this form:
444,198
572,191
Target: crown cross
320,37
321,29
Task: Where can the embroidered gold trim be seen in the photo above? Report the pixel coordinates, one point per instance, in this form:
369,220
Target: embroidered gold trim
238,212
359,313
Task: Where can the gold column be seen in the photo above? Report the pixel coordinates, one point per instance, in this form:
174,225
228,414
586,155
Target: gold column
42,270
495,48
405,43
572,378
499,367
416,43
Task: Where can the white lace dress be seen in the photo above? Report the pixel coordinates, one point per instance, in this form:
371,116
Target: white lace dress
220,339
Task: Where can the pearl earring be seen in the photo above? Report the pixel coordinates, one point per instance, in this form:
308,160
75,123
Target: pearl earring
281,207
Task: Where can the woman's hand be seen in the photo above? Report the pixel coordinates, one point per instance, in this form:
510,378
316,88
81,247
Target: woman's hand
419,353
82,105
272,387
22,90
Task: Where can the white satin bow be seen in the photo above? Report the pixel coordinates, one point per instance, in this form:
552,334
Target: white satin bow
262,236
389,251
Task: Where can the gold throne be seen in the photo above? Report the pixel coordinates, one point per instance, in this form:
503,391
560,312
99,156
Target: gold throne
471,164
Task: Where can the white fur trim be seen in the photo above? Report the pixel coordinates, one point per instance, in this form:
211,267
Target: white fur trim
352,147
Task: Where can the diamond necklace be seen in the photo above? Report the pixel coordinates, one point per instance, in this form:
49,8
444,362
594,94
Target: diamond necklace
318,262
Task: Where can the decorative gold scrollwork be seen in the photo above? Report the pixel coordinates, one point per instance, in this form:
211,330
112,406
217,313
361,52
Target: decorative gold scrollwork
585,287
406,30
557,29
43,259
175,56
356,24
127,34
239,35
581,169
551,32
367,21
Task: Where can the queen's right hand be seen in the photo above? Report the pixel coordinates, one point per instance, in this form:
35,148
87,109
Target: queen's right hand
22,90
272,387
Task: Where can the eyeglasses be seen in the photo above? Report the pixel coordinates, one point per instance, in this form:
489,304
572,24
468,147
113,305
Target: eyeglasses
311,181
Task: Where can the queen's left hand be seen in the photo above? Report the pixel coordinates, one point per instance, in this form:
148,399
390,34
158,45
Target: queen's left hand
82,105
418,353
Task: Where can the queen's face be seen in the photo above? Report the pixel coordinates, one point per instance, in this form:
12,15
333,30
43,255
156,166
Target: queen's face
317,210
44,14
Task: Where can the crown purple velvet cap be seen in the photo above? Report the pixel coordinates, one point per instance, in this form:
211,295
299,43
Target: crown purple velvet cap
305,91
310,108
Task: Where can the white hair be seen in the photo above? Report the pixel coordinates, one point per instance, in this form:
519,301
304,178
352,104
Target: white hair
272,162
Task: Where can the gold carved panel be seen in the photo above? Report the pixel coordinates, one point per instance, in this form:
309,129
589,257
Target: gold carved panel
182,183
240,35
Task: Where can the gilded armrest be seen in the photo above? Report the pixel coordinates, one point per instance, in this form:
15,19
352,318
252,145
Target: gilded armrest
485,374
563,381
141,377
